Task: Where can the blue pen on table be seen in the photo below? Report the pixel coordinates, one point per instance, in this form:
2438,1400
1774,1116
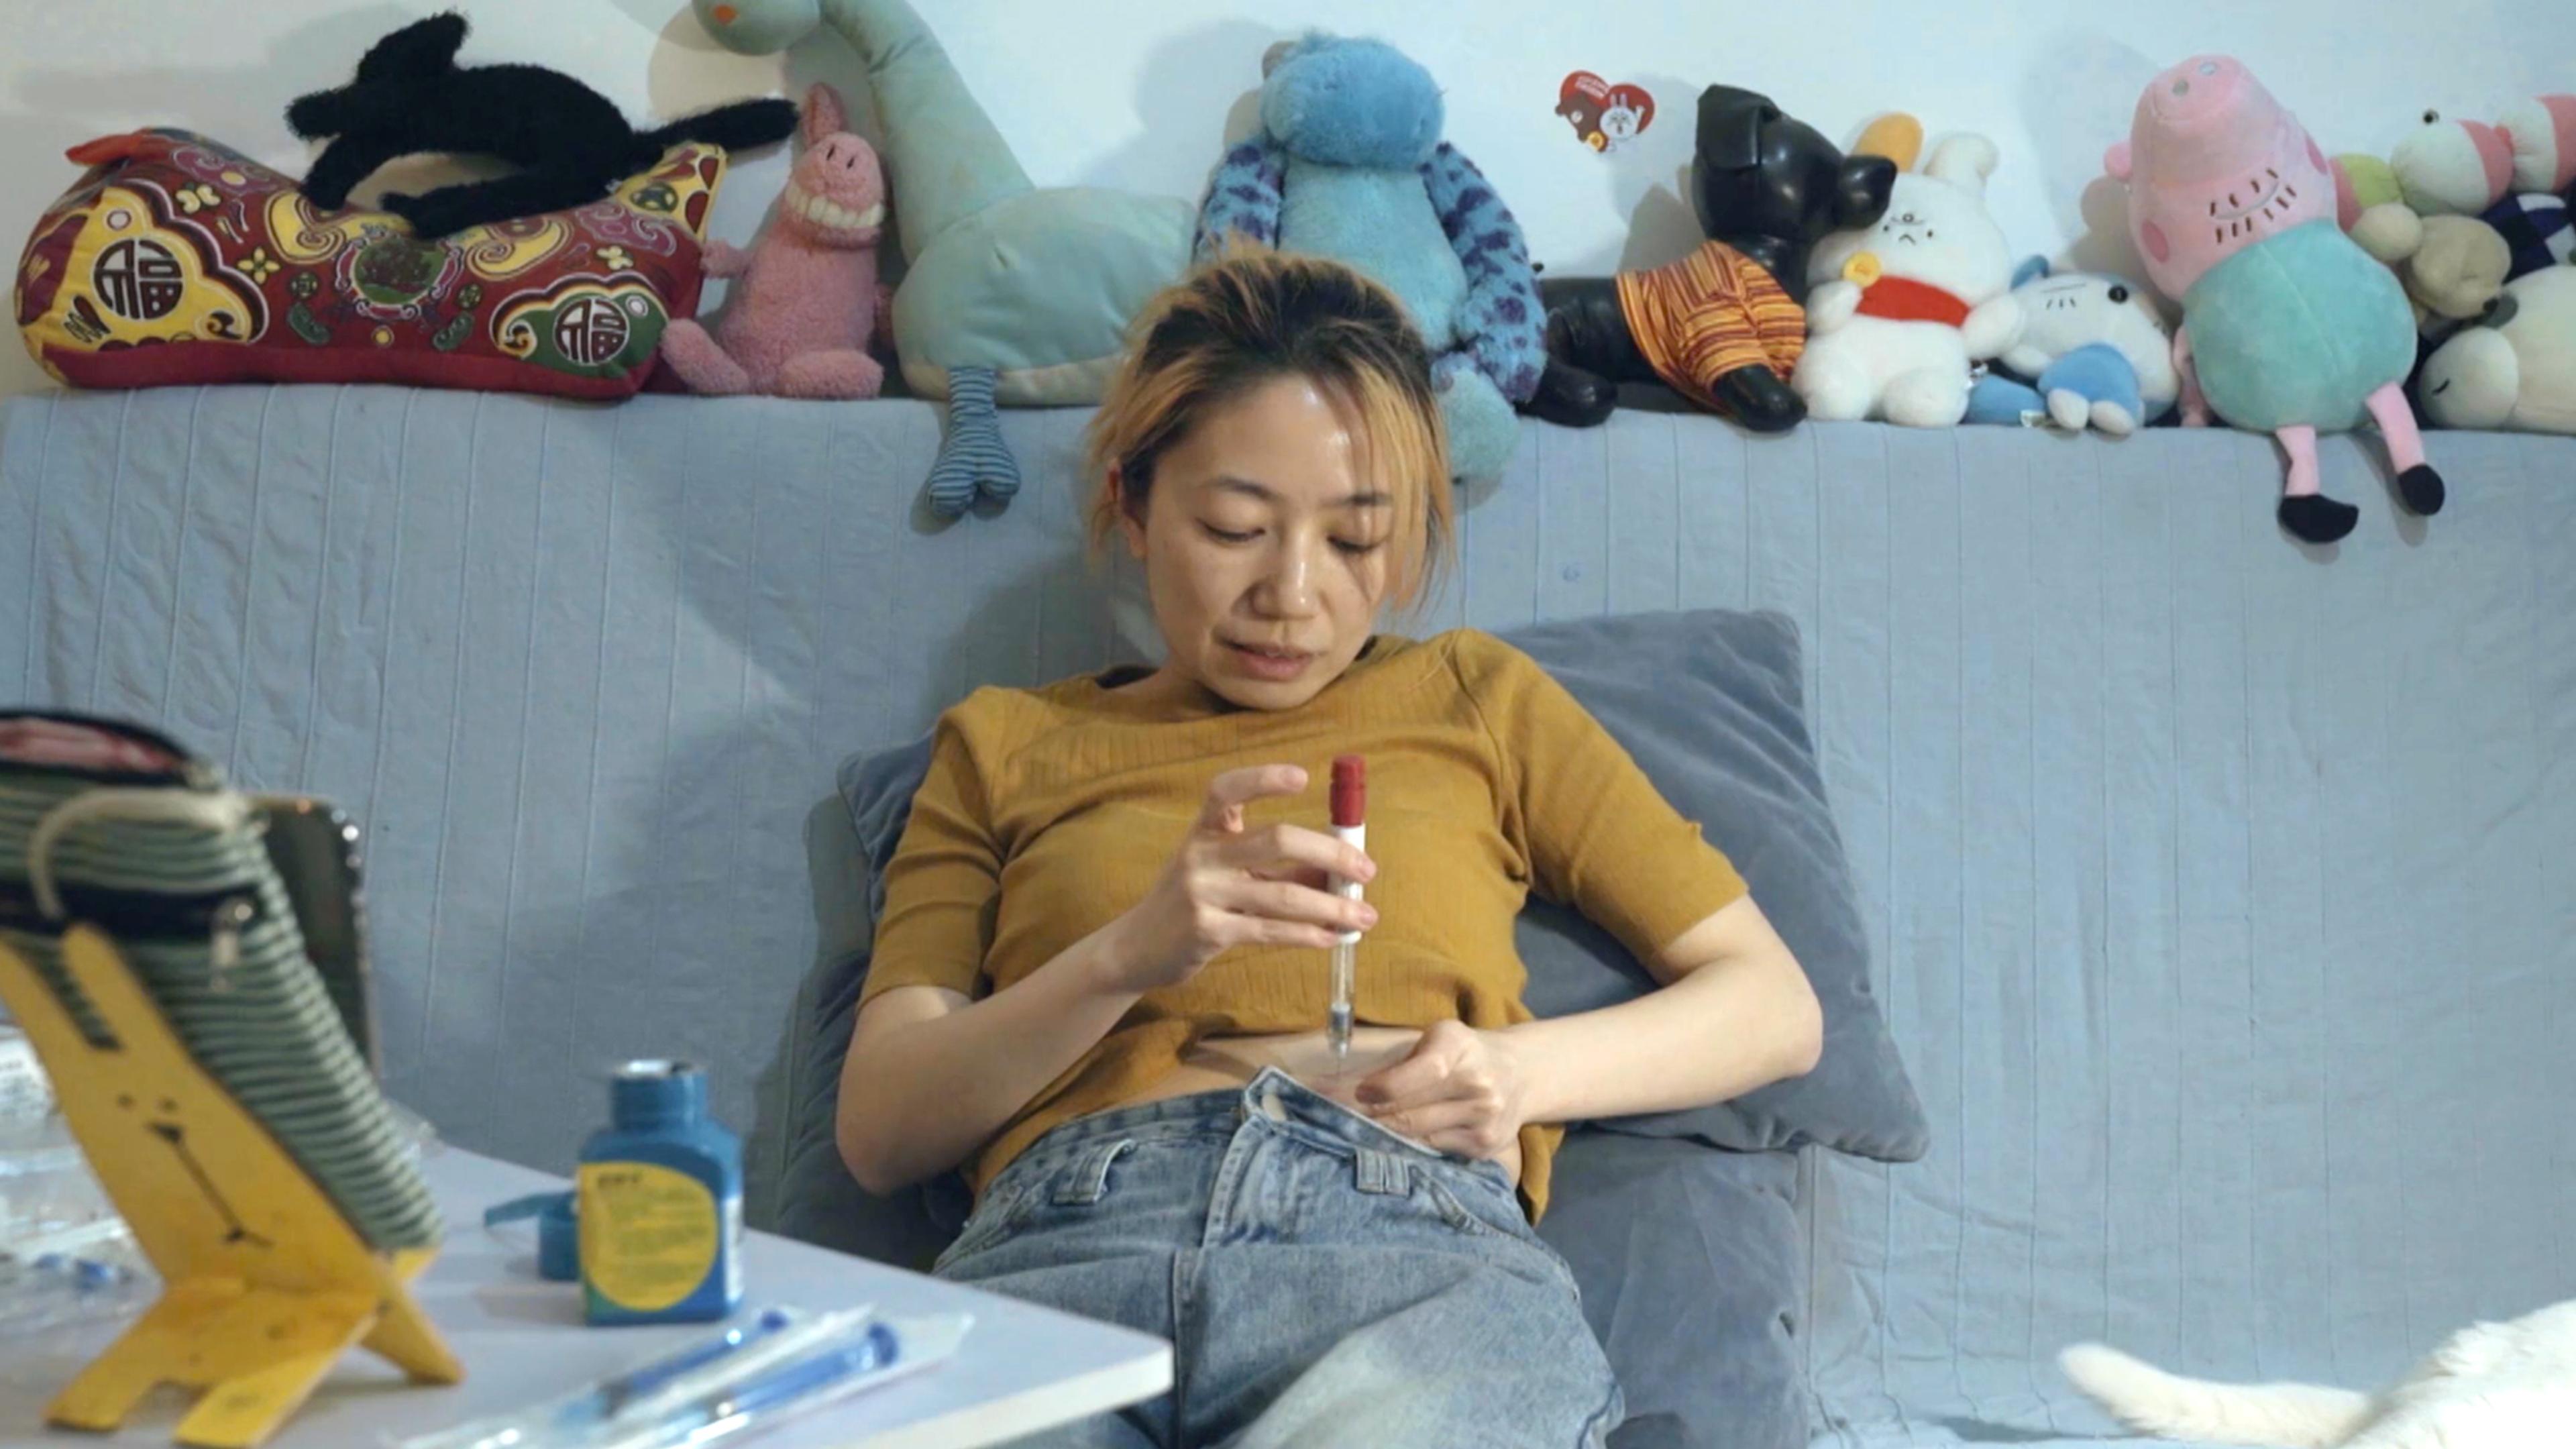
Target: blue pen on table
613,1395
718,1413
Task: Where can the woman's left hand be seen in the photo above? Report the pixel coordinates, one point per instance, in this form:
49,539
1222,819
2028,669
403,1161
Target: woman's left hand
1460,1090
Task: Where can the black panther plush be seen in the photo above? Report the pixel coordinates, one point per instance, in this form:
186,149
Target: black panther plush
411,96
1767,188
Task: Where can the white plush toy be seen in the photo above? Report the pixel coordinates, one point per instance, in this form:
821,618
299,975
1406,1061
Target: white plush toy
2463,167
2514,371
2093,352
1900,309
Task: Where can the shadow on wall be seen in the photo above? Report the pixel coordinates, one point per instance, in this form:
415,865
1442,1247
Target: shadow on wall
341,37
1662,225
2077,96
690,72
1188,80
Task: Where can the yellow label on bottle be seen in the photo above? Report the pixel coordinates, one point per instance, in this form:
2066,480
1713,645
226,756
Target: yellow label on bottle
649,1235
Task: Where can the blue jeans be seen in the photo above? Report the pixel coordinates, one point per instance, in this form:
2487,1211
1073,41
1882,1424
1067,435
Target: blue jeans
1323,1281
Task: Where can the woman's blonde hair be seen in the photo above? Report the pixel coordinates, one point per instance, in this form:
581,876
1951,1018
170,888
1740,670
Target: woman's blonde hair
1254,315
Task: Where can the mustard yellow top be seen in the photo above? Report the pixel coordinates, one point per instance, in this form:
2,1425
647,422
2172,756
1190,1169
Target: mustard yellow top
1049,812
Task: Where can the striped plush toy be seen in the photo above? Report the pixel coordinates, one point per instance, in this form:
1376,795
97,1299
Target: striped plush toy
117,827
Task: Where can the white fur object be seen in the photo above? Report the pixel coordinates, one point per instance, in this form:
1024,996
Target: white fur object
2518,376
2489,1386
1936,231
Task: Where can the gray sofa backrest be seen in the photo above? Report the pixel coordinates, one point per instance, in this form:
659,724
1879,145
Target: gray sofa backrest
2223,892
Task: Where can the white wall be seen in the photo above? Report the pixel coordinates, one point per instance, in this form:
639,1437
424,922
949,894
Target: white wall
1138,93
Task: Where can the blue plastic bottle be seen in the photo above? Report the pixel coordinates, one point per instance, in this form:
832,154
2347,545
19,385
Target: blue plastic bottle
660,1203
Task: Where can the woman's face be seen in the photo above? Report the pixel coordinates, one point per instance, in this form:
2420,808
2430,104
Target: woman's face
1265,546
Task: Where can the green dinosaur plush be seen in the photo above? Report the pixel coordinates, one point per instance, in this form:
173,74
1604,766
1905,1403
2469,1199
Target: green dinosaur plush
1012,294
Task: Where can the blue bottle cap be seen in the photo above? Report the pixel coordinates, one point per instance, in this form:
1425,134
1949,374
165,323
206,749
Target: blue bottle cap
644,1095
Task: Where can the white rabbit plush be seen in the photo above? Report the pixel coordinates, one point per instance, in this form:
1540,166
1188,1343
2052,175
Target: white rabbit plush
1899,310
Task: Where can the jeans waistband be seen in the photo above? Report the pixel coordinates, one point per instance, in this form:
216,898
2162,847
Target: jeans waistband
1273,1094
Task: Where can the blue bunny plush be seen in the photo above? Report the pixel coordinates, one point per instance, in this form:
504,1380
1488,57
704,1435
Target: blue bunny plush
1350,165
2093,352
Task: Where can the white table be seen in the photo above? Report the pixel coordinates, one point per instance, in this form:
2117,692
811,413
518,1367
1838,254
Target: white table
1022,1369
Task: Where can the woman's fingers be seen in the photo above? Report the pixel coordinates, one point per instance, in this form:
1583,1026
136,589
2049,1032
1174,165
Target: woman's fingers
1266,931
1457,1125
1282,901
1222,811
1304,875
1293,845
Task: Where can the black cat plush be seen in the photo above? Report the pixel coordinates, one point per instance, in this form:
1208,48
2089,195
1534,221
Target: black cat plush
574,145
1724,325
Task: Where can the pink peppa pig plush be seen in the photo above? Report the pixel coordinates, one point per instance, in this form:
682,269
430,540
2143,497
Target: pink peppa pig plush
798,320
2288,325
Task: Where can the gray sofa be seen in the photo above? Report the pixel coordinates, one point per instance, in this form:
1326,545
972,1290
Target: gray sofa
2222,892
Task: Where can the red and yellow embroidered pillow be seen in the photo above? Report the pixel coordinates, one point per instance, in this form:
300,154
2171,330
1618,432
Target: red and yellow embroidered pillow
177,260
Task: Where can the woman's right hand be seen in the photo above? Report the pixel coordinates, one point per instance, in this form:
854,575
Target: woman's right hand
1228,887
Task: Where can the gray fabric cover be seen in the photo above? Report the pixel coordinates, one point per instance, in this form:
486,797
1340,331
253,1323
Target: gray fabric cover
1694,1276
817,1198
1707,703
2217,888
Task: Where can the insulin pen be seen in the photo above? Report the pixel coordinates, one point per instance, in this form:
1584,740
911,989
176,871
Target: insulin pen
1350,814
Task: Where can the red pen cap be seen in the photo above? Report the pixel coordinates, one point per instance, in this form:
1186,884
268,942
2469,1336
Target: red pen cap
1350,791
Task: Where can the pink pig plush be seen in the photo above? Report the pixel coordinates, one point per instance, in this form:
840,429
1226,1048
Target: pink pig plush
2288,325
798,320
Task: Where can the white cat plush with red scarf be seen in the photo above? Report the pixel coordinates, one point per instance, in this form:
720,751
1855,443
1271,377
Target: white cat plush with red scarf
1899,310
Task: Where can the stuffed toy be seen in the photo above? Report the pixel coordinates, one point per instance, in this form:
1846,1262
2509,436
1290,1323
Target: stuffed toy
2446,167
1350,165
2452,267
2362,181
2508,175
2536,229
2542,133
411,96
1900,310
1723,326
2092,353
798,319
175,259
2288,325
1012,295
2514,370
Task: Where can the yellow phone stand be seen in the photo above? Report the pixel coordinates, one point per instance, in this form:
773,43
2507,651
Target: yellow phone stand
265,1282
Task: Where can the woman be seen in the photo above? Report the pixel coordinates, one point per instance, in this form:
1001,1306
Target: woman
1099,984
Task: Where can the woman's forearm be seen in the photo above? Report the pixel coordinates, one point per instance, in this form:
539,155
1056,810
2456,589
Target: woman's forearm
920,1096
1718,1032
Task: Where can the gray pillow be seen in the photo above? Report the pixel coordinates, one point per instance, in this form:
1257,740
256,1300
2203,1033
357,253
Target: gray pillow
1692,1268
1708,704
818,1201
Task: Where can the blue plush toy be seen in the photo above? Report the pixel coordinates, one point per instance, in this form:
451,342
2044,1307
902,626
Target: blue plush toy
1350,165
2092,352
